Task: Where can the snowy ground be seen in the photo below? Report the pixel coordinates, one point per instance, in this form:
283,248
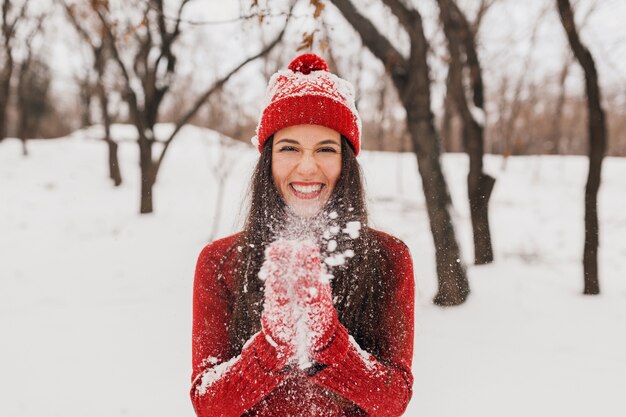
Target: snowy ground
95,300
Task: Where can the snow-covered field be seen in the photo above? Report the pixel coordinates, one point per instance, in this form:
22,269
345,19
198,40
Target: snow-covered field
95,300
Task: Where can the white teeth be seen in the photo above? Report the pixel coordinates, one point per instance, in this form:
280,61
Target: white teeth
307,189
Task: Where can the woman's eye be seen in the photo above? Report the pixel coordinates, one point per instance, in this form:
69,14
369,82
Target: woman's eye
288,149
328,149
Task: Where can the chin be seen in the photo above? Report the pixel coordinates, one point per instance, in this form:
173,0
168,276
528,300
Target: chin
306,209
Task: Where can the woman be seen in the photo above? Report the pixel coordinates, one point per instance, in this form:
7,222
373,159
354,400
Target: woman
304,312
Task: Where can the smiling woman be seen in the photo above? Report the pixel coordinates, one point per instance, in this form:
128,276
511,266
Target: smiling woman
307,311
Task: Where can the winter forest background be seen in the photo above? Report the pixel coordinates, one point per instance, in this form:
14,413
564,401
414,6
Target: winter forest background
494,144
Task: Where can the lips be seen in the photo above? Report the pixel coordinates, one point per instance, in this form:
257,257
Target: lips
306,190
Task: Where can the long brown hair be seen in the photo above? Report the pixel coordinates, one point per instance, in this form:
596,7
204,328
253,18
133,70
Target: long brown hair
360,286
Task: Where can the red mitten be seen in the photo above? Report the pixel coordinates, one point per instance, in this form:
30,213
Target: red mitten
315,297
277,318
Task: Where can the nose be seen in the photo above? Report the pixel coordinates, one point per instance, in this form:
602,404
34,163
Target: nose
307,165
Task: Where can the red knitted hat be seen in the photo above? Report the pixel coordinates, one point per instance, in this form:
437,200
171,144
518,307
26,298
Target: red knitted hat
308,94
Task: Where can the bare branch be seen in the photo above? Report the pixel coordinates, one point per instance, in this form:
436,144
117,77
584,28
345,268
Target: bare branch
179,15
467,37
378,44
580,51
403,13
261,16
216,86
411,21
9,27
484,7
168,38
18,18
82,32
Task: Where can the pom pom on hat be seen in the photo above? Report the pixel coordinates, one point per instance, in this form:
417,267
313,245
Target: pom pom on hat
307,93
308,62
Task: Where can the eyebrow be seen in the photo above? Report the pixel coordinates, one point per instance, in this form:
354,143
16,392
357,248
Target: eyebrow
295,142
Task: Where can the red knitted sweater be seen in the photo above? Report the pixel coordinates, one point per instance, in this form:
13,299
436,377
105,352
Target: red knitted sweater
256,382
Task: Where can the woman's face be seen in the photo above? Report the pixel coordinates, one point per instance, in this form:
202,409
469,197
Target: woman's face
306,163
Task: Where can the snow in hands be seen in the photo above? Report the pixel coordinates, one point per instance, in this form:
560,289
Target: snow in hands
298,311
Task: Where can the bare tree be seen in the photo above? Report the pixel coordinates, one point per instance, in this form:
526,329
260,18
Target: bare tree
597,146
462,49
90,30
411,79
149,78
10,22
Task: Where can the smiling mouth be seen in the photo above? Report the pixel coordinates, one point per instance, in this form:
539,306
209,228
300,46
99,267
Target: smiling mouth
306,191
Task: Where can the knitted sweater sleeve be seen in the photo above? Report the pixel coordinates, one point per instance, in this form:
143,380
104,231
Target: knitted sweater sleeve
379,389
223,386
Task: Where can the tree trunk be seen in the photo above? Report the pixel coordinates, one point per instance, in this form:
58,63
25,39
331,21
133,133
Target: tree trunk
597,147
23,119
453,287
114,164
84,95
411,80
5,85
448,134
148,176
480,185
24,148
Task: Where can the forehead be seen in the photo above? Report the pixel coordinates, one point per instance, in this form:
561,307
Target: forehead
308,135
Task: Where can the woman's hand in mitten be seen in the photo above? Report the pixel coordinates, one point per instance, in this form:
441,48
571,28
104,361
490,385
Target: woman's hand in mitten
315,297
277,319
